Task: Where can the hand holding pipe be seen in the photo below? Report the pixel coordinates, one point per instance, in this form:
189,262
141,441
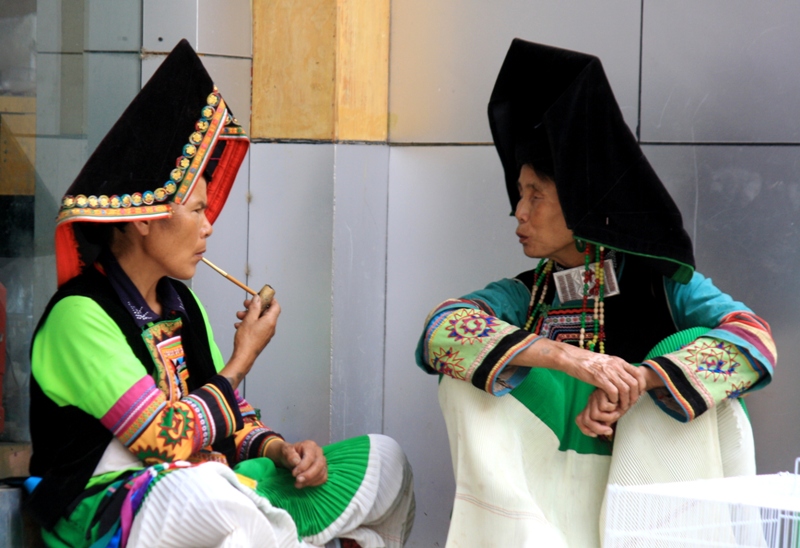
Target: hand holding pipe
266,294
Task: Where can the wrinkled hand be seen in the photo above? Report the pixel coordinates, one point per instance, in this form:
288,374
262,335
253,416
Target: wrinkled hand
599,415
622,382
304,459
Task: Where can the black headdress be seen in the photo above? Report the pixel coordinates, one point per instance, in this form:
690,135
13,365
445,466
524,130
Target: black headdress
177,128
554,109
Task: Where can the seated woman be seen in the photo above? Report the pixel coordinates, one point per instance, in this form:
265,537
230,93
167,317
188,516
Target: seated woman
136,419
537,369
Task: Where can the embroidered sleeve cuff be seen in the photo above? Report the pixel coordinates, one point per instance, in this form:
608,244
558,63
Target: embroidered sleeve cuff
216,410
678,398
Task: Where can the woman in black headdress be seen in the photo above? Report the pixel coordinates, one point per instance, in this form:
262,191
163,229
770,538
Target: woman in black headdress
554,357
140,436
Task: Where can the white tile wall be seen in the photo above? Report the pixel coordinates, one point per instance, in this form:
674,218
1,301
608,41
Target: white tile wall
289,246
359,289
719,71
113,26
225,27
164,24
449,233
445,56
112,81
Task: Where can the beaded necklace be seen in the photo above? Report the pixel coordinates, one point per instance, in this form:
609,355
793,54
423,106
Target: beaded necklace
541,277
597,342
537,308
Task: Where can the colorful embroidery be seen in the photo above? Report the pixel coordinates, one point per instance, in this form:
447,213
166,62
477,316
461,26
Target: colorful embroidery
176,426
562,325
716,360
163,340
448,363
469,326
737,390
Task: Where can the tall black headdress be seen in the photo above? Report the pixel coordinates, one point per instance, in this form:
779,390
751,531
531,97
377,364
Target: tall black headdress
554,109
176,129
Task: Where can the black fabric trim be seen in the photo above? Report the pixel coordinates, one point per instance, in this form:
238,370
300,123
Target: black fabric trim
481,375
682,385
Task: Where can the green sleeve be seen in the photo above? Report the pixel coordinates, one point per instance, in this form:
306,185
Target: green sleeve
81,357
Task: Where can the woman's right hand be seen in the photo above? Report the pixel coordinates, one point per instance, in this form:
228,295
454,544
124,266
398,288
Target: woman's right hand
622,382
253,333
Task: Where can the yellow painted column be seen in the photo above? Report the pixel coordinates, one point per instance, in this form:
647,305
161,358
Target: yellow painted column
320,70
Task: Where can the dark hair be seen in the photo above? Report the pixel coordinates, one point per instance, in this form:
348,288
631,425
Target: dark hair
99,234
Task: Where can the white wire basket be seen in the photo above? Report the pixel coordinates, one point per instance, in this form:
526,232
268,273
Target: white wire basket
751,511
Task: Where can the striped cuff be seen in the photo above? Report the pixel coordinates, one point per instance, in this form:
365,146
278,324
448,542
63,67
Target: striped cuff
254,445
489,374
216,411
678,398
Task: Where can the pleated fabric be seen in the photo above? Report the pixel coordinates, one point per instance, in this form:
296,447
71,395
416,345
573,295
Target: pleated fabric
513,485
368,497
206,506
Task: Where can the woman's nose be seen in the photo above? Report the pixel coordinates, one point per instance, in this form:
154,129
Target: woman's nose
521,211
208,228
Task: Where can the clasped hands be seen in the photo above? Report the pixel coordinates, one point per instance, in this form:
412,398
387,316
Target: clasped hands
619,386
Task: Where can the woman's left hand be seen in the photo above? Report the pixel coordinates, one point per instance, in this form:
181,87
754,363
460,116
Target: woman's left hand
599,415
306,461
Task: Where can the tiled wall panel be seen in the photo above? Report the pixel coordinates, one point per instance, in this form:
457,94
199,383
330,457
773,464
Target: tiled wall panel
113,26
445,56
289,247
449,233
718,71
748,206
164,24
359,289
112,81
225,27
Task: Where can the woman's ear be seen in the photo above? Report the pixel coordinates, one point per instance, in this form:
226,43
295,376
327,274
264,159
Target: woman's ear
142,227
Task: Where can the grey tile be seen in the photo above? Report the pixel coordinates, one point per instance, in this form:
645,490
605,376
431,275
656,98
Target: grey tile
445,57
747,233
716,71
48,93
164,24
72,94
114,26
112,81
677,168
226,248
225,27
48,25
290,247
359,289
449,233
